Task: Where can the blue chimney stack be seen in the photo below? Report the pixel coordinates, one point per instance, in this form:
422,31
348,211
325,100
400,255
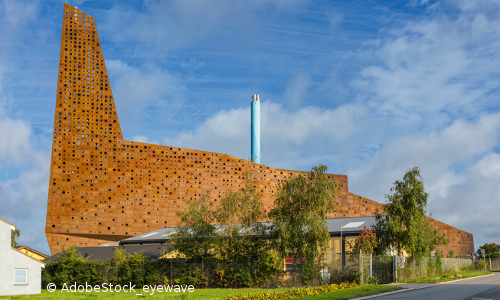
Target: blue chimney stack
255,130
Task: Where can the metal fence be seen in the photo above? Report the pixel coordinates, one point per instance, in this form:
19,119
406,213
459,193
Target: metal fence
329,268
495,264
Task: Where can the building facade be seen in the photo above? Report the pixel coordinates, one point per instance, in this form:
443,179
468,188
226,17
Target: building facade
103,188
20,274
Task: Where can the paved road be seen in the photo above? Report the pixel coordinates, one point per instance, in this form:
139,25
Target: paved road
482,288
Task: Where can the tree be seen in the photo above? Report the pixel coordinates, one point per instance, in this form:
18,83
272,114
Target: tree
229,232
403,222
13,238
300,208
366,241
196,237
451,253
490,251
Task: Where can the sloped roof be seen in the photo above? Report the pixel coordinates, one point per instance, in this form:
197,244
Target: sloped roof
42,262
7,222
107,252
349,226
32,250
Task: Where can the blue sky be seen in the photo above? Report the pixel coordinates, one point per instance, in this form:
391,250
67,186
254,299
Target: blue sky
369,88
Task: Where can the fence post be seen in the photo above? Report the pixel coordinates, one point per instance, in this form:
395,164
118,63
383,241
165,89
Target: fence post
361,267
395,266
371,264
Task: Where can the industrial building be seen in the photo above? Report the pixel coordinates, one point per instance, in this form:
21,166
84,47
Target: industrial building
104,189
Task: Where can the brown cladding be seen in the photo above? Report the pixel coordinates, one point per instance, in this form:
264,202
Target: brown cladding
103,188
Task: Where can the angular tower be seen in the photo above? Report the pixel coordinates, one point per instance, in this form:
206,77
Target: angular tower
103,188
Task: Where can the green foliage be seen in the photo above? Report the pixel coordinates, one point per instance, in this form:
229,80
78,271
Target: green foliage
366,241
491,251
451,254
236,250
300,208
403,223
372,280
438,262
196,237
481,264
13,238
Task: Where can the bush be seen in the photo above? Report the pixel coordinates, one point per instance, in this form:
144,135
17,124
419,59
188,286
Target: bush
481,264
372,280
340,276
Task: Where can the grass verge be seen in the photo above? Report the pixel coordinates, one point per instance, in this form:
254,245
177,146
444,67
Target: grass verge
449,276
196,294
349,293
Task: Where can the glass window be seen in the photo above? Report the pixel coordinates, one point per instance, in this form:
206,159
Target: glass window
20,276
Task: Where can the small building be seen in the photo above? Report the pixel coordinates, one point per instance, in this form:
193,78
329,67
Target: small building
20,274
105,253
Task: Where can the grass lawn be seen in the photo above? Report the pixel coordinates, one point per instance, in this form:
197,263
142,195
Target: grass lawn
197,294
202,294
450,276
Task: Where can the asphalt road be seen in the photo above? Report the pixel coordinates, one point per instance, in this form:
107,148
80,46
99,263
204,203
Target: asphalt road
482,288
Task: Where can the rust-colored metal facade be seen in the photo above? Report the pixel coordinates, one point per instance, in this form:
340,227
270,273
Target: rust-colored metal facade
103,188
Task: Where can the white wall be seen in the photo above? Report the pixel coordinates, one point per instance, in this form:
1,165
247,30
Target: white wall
11,259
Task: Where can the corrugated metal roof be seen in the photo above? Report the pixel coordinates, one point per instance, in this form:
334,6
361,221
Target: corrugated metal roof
349,225
107,252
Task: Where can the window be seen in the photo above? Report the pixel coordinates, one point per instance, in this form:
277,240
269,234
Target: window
20,276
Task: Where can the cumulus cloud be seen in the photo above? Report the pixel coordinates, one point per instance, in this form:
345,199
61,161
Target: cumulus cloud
23,195
15,142
143,139
288,137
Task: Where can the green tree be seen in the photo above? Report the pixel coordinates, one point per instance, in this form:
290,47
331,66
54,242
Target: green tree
490,251
229,232
403,222
451,254
300,208
195,238
13,238
366,241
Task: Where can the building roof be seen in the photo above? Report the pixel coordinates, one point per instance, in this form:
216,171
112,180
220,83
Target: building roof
42,262
156,236
32,250
7,222
107,252
349,226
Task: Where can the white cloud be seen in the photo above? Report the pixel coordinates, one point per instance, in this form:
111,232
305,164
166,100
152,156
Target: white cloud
15,142
136,88
288,137
24,201
434,70
143,139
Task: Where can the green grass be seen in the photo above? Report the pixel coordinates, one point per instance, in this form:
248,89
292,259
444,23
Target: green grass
450,276
197,294
355,292
204,294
